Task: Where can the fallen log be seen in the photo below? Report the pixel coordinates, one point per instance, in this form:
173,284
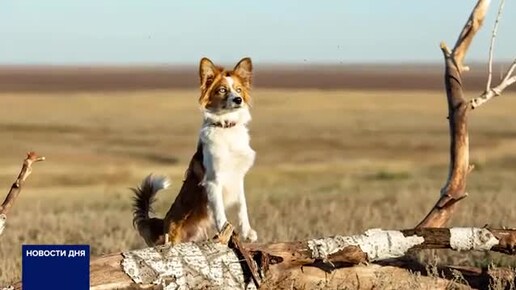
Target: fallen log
210,265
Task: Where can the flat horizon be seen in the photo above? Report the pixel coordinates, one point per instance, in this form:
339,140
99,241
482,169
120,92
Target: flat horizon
256,63
91,78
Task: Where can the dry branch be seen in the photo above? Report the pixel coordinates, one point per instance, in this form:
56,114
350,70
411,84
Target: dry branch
507,79
458,108
455,187
491,47
17,187
490,93
467,34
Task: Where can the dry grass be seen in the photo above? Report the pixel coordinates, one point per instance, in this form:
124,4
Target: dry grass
329,162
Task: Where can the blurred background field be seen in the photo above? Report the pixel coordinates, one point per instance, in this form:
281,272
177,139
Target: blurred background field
330,160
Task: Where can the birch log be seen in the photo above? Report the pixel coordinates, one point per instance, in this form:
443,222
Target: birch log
211,265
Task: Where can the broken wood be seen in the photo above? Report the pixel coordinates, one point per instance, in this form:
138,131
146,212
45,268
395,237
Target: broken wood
242,253
16,187
391,274
307,277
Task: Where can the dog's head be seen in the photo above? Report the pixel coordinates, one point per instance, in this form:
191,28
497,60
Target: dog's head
225,91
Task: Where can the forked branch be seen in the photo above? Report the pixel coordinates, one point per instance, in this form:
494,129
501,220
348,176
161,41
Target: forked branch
458,108
455,187
490,93
16,187
507,80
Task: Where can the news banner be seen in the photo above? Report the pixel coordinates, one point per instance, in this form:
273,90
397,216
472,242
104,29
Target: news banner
64,267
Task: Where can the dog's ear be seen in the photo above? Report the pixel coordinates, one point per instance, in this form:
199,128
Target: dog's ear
244,69
207,71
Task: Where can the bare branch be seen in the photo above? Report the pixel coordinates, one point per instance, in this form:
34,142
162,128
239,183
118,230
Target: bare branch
445,49
468,32
510,71
491,47
507,80
455,187
458,108
17,186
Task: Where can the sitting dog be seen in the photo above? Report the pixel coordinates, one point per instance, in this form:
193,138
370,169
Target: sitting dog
214,179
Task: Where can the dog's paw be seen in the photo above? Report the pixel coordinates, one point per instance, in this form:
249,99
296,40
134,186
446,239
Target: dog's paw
250,235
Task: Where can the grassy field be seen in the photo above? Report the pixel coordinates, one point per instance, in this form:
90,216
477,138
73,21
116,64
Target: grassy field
328,162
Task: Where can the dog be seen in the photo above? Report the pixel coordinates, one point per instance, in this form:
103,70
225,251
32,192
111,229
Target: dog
215,176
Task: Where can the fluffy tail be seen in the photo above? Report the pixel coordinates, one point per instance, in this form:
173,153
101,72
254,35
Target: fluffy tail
151,229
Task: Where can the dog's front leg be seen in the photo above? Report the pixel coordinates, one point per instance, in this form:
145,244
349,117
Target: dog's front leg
216,202
243,216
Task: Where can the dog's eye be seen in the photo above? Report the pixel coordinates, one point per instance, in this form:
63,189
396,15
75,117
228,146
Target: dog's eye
222,90
239,90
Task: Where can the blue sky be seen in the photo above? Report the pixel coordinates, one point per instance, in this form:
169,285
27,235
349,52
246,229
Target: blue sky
270,31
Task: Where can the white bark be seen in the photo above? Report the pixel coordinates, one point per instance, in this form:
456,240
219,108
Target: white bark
465,239
211,265
378,244
205,265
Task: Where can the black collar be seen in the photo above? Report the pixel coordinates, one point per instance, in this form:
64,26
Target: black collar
225,124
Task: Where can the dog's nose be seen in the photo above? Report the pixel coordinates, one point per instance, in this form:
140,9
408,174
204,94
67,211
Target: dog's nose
237,100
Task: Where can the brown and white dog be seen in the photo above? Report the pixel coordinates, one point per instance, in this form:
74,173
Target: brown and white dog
215,177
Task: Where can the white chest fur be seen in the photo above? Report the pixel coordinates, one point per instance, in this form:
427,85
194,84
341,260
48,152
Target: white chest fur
227,151
227,157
